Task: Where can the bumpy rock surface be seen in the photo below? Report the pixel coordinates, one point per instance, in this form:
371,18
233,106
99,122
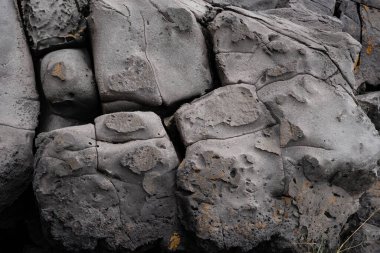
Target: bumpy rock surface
97,194
19,106
54,23
158,54
271,114
68,84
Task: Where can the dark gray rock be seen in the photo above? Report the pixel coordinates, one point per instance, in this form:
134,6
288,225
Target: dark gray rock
350,17
368,68
226,112
19,106
68,84
54,23
148,52
109,196
370,102
253,5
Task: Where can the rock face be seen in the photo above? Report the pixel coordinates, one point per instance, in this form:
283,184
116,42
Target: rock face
19,106
158,55
113,193
53,24
271,115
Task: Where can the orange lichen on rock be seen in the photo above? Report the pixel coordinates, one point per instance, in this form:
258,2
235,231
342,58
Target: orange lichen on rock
175,241
58,71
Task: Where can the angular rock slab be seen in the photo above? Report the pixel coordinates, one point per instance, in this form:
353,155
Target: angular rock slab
259,49
68,83
226,112
107,196
368,67
252,5
370,102
54,23
230,189
350,17
148,52
19,106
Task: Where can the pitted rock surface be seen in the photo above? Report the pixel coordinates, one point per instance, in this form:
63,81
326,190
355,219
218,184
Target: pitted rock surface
123,192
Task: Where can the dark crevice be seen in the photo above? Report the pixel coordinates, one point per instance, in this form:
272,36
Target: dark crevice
337,11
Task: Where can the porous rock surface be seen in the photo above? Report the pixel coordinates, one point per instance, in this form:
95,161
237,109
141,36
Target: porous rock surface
189,126
115,192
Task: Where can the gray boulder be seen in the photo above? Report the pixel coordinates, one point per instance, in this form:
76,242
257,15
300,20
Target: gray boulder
98,195
19,106
54,23
350,17
370,102
148,52
68,84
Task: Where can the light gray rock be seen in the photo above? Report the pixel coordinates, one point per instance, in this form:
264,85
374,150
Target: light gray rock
226,112
308,18
340,146
148,52
95,195
325,7
68,84
368,66
285,50
128,126
370,102
369,3
19,106
228,190
54,23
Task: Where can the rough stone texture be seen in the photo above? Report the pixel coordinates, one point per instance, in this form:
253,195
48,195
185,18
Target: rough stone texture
368,67
19,106
284,48
370,3
68,84
50,121
226,112
162,58
308,18
370,102
349,15
325,7
253,5
99,195
54,23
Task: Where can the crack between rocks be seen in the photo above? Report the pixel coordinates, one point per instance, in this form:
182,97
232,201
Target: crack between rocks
360,3
148,59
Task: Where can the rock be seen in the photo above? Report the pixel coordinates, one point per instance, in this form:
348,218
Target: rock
325,7
253,5
226,112
349,15
323,144
370,102
284,49
369,3
54,24
20,106
229,190
68,84
370,204
51,121
368,67
163,57
128,126
307,18
96,195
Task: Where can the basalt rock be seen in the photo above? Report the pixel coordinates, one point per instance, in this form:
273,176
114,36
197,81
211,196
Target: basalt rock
19,106
148,52
54,24
95,194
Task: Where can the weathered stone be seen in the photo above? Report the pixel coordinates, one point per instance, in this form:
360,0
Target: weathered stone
349,15
128,126
19,106
253,5
338,146
148,52
226,112
68,84
370,102
284,49
228,190
368,68
98,195
54,23
325,7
